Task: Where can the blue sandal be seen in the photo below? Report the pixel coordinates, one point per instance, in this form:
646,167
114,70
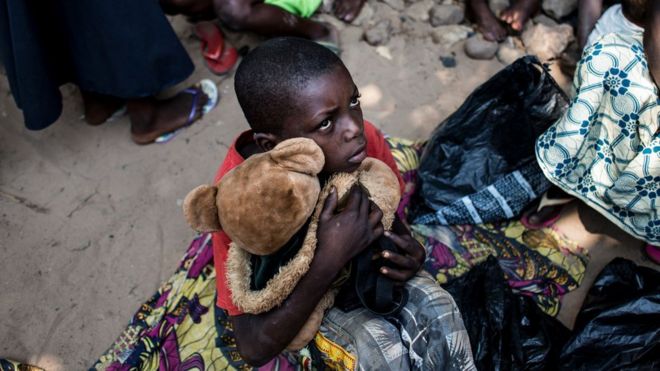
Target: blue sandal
206,87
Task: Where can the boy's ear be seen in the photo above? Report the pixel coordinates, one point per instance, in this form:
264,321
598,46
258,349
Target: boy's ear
201,210
266,141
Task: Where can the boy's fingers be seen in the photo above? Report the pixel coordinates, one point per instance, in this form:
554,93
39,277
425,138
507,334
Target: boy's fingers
354,198
398,240
375,216
394,274
377,231
330,205
364,204
401,261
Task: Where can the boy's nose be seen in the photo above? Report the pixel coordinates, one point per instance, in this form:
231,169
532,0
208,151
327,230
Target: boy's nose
353,129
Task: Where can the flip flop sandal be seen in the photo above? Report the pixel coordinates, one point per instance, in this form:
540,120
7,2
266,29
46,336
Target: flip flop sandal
545,202
218,57
206,87
225,63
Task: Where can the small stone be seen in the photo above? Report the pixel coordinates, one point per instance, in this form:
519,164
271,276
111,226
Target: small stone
383,11
558,9
379,33
365,15
415,29
544,19
477,47
449,35
419,11
441,15
448,61
547,42
509,51
395,4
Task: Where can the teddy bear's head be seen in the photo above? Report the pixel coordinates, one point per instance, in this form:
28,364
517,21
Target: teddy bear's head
261,213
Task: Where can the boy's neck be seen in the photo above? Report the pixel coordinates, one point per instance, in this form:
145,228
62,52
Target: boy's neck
246,146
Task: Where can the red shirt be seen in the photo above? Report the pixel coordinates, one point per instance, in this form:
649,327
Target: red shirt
376,148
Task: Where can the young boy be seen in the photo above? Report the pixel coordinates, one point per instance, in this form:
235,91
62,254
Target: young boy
290,87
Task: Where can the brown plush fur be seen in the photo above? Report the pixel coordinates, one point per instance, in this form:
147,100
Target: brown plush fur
383,188
264,201
275,192
200,209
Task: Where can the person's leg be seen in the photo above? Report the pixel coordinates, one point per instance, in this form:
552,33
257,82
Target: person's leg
269,20
99,108
374,341
487,23
151,118
432,327
517,14
547,214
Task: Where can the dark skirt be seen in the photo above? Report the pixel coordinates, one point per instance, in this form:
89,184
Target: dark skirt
122,48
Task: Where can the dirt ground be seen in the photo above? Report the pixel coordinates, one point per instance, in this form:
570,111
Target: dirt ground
91,223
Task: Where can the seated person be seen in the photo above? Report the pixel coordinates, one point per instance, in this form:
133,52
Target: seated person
631,17
491,26
605,149
290,87
270,17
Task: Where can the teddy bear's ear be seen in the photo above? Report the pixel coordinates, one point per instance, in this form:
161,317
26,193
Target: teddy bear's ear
200,210
299,154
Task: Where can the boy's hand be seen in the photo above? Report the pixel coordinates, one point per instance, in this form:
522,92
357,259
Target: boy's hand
342,235
408,262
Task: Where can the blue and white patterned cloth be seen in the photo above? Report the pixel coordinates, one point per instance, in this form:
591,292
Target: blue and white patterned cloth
606,149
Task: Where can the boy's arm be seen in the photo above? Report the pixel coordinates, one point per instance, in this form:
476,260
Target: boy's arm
340,237
588,13
652,39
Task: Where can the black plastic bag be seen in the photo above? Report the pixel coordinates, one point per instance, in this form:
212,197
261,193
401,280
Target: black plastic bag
619,324
489,141
507,331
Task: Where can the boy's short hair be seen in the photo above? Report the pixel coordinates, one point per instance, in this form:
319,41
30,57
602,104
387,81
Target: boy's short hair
635,9
271,76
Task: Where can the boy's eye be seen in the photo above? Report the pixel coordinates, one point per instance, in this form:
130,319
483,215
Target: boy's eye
326,124
355,101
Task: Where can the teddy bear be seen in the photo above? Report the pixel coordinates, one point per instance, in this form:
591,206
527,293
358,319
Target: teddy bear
263,202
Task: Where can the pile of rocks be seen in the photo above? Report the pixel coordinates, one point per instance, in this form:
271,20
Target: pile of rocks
444,21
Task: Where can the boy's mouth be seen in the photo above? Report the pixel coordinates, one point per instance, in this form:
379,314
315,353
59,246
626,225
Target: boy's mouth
359,155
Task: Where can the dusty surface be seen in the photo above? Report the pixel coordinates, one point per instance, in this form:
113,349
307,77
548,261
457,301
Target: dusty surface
90,223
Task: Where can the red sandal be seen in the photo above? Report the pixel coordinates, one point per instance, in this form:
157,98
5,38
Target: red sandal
218,56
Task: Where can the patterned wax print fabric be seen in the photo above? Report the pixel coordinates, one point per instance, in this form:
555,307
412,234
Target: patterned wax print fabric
541,264
8,365
606,149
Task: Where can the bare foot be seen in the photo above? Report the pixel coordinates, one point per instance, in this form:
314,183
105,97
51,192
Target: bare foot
487,23
151,118
99,108
517,14
348,10
538,218
548,213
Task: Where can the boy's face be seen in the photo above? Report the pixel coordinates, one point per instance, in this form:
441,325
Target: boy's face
329,113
